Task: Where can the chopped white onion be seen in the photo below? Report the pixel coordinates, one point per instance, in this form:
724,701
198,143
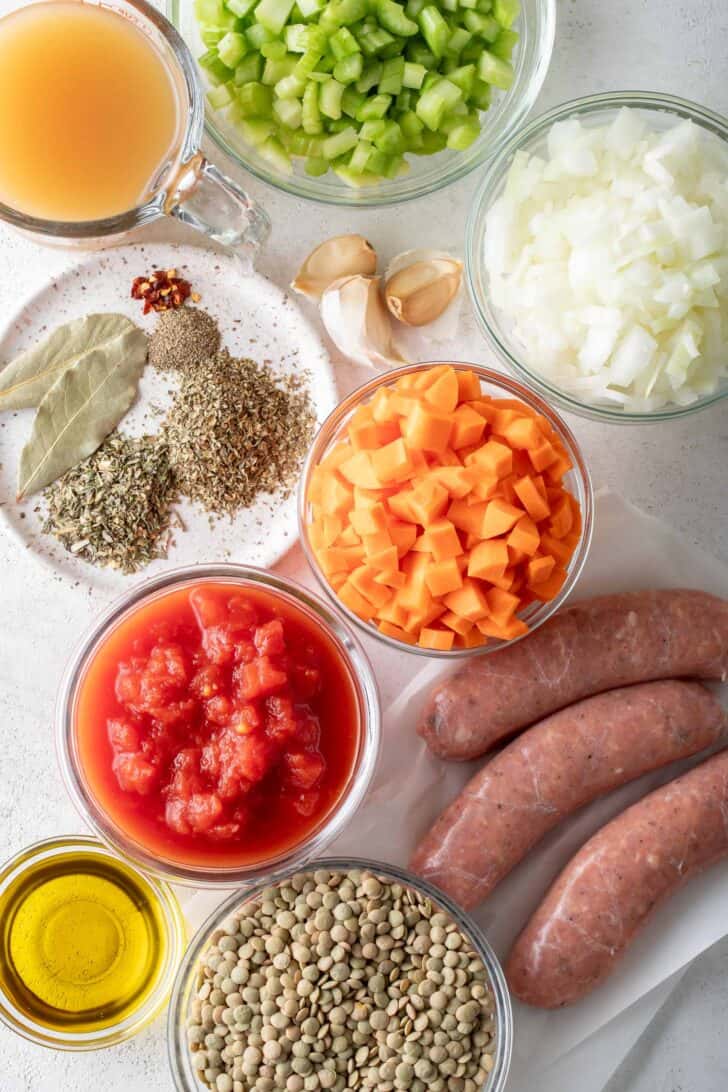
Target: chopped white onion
609,259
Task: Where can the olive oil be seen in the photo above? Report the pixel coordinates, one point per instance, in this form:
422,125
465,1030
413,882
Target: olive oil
82,942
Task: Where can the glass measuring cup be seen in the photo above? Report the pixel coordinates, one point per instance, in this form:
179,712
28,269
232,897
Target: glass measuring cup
186,186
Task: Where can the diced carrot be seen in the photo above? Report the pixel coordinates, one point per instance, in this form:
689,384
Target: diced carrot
505,631
368,521
468,385
337,496
359,470
427,429
436,639
398,634
340,559
457,480
392,462
376,542
472,639
428,502
393,613
556,471
548,589
531,499
400,506
469,601
467,427
557,548
421,544
486,488
368,498
446,458
515,557
337,579
561,518
456,622
499,518
443,577
332,526
403,534
540,568
503,418
409,382
443,394
467,517
363,580
348,537
507,490
505,581
382,405
391,578
424,616
316,535
501,605
386,560
335,457
356,602
372,435
495,458
542,456
525,536
523,433
485,407
488,559
443,539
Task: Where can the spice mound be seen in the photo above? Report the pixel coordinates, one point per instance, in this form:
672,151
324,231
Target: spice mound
114,508
84,944
350,977
234,431
182,339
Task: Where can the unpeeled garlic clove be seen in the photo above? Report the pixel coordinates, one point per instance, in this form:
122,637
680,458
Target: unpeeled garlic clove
358,323
418,293
342,256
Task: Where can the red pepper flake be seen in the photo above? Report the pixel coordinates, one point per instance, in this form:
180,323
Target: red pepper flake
162,291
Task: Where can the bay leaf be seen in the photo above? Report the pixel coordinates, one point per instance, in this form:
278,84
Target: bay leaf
25,381
80,410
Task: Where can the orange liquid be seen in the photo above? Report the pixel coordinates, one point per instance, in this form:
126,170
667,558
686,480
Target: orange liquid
88,112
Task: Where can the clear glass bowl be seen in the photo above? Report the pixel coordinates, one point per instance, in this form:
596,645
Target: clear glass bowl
492,383
175,936
179,1054
660,112
330,825
536,26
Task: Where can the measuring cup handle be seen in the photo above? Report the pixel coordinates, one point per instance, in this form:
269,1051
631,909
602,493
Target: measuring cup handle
212,203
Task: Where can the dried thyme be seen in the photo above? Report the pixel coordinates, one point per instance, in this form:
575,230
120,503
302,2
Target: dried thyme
233,432
114,508
182,339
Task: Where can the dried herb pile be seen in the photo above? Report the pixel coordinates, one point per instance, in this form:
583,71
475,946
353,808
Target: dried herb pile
114,508
183,338
234,432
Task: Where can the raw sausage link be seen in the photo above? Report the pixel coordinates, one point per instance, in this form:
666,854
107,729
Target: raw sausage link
589,647
617,879
556,767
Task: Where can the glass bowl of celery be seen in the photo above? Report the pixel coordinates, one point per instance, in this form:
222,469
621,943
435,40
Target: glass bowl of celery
366,102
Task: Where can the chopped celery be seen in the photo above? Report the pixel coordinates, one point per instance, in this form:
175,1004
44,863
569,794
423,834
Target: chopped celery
418,53
290,87
360,155
219,97
255,130
413,75
449,5
308,8
232,48
504,44
390,140
273,14
258,34
330,98
275,70
211,36
411,127
240,7
480,96
464,78
296,38
374,41
462,135
212,13
273,51
470,5
349,69
485,26
404,100
485,6
506,12
414,7
343,44
375,107
436,101
255,100
316,166
352,101
372,129
392,76
370,77
288,112
340,143
216,70
495,71
434,29
458,40
310,114
249,70
276,154
393,18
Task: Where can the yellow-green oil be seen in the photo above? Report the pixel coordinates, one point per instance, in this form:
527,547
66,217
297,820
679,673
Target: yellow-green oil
82,942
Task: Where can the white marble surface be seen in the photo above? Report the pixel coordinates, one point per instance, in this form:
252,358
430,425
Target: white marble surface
676,471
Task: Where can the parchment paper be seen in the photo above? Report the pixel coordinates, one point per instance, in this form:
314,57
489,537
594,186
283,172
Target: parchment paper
631,550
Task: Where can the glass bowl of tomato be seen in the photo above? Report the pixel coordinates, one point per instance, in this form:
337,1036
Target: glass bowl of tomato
216,723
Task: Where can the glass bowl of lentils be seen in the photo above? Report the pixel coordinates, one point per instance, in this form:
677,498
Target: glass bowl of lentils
347,975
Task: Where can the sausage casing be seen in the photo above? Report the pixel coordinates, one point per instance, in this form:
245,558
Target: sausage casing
555,767
611,887
589,647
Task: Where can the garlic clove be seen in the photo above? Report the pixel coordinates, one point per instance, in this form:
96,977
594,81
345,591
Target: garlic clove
418,293
358,322
342,256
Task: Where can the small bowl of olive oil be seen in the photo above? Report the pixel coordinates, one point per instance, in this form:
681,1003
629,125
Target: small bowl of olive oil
88,946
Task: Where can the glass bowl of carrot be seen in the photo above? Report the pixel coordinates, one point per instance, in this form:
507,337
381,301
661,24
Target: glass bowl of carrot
446,509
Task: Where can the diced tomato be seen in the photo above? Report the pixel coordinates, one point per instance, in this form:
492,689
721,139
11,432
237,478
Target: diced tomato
307,803
207,681
309,732
260,678
123,735
209,610
219,710
203,811
304,768
242,611
134,773
269,639
307,681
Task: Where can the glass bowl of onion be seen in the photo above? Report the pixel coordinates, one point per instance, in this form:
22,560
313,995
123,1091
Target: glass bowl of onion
275,147
597,256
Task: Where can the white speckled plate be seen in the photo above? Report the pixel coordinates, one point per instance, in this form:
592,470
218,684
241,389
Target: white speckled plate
256,320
